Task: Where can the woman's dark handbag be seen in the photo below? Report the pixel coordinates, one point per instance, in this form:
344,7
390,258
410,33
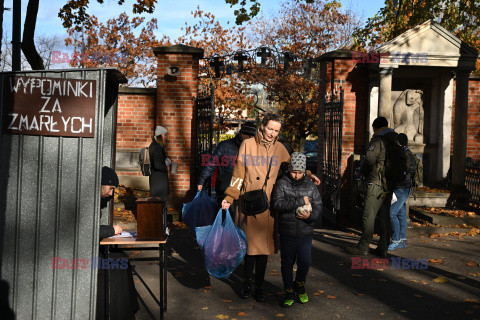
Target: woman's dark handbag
256,201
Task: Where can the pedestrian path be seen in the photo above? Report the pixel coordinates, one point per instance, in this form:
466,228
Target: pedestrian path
433,278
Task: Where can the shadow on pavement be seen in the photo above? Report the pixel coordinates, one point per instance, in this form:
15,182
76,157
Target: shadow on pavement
391,286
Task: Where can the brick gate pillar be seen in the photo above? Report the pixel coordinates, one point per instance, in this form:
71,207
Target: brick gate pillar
175,110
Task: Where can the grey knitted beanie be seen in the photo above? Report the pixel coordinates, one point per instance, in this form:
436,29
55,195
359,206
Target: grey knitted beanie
298,162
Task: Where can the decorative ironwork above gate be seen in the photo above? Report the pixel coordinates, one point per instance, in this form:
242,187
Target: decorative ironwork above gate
262,57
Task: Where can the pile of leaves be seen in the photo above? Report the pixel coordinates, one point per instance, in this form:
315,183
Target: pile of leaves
472,232
432,190
122,215
446,212
129,196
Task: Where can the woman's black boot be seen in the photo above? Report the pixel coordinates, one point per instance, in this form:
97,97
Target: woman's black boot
247,289
258,295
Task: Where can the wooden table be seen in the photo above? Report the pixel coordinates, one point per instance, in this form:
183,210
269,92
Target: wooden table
145,245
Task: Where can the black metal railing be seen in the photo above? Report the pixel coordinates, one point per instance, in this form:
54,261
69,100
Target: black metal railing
472,182
205,107
332,155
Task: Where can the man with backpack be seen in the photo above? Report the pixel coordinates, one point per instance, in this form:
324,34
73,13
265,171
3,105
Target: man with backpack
382,167
398,209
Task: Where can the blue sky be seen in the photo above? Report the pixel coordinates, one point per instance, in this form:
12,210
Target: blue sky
171,14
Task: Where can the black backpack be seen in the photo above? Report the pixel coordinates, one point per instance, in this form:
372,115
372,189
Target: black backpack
144,161
396,164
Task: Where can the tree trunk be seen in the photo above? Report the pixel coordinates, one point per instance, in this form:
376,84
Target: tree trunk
28,43
301,144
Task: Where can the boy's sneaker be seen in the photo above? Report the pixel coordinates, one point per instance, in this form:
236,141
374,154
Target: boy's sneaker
300,290
403,243
289,299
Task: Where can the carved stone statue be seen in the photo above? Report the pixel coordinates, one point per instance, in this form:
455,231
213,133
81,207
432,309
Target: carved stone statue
408,114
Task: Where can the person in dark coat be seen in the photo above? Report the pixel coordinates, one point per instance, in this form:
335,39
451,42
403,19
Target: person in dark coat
123,302
298,203
109,183
158,179
377,198
398,209
223,158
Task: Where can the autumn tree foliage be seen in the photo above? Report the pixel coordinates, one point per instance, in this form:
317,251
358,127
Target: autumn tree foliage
74,13
462,18
231,92
306,31
115,44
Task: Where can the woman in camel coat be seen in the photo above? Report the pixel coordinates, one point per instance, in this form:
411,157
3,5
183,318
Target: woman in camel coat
249,174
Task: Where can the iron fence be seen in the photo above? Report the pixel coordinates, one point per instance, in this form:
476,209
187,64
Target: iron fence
472,182
205,107
331,162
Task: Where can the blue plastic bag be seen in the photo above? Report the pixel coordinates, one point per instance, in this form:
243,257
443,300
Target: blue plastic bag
200,212
223,244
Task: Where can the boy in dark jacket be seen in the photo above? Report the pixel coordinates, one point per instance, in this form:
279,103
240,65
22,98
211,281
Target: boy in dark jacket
298,203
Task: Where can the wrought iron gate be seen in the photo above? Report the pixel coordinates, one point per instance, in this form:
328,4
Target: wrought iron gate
205,105
332,156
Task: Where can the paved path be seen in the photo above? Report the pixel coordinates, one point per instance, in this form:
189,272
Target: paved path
336,290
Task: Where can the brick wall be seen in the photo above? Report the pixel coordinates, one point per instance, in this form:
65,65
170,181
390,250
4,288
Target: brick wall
170,105
176,101
473,122
135,120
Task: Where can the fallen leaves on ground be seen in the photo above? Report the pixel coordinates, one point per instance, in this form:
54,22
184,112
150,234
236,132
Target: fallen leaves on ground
440,280
280,315
432,190
331,297
226,301
471,300
436,261
222,316
122,215
242,314
319,292
179,225
471,264
446,212
418,296
471,232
